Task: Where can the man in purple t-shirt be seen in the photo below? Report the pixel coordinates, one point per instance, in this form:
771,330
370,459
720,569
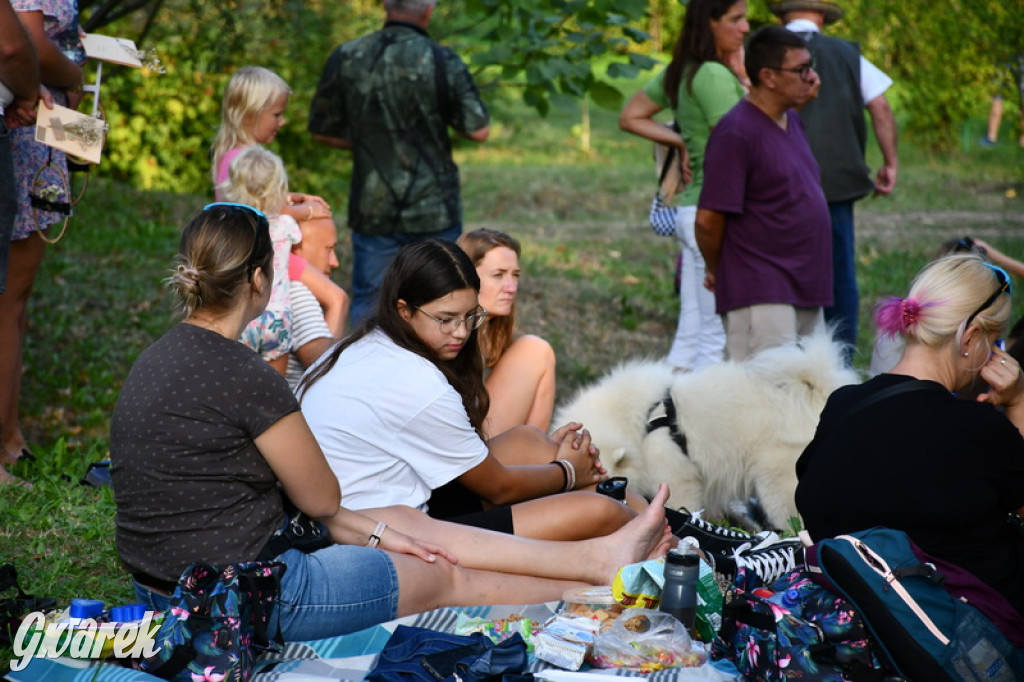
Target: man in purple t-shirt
762,220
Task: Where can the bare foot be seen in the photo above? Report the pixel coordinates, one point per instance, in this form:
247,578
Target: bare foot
645,537
7,478
13,449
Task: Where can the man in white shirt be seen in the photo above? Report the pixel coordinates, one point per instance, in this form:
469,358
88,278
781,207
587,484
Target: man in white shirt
310,335
837,132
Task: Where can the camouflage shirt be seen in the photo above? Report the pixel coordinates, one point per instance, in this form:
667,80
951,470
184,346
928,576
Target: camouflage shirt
384,93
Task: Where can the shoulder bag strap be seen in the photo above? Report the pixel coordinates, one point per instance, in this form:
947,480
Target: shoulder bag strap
888,392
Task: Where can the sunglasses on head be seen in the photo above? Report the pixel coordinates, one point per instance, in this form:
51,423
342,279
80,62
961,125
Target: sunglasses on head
1005,286
262,228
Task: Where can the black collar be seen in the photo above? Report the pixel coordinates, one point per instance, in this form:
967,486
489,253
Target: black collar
406,24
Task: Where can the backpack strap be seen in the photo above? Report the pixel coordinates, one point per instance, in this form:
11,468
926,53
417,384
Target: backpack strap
885,393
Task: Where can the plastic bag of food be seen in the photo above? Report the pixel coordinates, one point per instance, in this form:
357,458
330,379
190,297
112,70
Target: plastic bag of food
646,640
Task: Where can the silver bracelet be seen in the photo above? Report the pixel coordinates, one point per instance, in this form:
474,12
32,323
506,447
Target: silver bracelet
375,535
570,474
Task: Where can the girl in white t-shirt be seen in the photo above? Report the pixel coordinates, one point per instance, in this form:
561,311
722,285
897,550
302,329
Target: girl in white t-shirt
398,408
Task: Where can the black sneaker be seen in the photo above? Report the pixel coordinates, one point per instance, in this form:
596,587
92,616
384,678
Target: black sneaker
714,539
769,563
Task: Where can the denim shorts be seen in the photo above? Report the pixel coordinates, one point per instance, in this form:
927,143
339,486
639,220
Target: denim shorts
334,591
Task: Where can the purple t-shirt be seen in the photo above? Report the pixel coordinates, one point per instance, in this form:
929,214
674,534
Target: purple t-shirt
777,246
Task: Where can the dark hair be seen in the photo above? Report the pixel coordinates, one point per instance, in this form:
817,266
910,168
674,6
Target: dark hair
422,272
766,49
696,45
219,250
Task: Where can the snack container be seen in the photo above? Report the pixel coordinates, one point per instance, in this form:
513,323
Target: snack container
565,641
592,602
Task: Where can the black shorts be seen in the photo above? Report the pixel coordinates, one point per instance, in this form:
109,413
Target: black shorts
455,503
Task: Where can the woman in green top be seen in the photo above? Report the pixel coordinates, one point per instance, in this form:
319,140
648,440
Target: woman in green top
704,80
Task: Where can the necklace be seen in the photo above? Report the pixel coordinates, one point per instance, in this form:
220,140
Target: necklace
206,324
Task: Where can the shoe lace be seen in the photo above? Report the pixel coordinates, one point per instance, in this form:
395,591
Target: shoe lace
714,529
769,563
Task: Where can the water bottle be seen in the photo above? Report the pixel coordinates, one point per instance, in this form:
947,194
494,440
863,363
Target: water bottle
679,594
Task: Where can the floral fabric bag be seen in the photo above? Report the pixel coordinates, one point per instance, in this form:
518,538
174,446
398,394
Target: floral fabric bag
794,629
217,623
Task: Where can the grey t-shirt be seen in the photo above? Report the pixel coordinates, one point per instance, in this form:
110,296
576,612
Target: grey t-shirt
189,483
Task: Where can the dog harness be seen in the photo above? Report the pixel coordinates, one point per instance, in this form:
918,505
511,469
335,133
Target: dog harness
662,415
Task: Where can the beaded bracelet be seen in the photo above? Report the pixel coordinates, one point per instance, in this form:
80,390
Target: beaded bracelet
375,535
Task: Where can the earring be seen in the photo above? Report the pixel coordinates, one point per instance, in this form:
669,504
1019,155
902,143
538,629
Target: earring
966,354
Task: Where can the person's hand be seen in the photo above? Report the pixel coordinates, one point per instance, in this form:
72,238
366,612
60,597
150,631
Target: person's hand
395,541
20,112
309,208
578,449
559,434
74,96
709,281
23,112
306,198
685,173
885,181
1002,374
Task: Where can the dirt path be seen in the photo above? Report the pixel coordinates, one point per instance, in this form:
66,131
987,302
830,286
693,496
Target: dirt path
983,224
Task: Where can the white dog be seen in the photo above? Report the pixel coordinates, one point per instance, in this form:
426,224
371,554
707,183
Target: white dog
721,433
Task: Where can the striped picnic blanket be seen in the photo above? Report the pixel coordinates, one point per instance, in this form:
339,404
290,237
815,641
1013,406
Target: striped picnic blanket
349,658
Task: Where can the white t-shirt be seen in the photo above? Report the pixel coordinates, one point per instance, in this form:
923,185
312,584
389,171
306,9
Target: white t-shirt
873,81
392,427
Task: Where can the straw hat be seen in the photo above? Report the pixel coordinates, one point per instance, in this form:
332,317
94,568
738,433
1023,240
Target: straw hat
831,10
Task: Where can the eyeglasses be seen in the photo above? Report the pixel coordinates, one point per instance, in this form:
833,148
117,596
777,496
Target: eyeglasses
1005,286
262,227
449,325
803,70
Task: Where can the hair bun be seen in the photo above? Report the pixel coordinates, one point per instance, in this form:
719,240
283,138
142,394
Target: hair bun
188,274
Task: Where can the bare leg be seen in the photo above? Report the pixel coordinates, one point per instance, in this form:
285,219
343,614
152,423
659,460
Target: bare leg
522,386
424,586
567,516
593,561
523,445
995,115
26,255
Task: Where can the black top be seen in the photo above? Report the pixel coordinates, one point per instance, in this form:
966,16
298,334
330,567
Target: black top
945,471
189,483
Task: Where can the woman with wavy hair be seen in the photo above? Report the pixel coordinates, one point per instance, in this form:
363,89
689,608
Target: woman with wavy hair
520,369
704,80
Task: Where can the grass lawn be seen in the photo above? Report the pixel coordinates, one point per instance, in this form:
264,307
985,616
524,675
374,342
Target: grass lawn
597,284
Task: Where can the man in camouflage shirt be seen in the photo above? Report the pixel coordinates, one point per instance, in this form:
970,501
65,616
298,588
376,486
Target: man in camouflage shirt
389,97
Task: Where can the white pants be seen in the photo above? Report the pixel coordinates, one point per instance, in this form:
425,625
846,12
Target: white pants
700,336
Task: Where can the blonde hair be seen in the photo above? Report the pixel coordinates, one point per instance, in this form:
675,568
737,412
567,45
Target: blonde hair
942,298
218,251
257,178
499,332
250,90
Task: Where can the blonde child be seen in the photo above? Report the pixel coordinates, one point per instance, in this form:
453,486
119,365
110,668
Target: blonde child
257,178
252,112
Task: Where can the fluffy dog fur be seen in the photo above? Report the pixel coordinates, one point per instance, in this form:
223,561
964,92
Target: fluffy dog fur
745,425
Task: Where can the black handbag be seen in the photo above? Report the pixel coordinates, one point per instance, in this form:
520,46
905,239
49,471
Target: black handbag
301,532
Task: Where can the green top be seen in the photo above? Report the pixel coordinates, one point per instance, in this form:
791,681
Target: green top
385,93
716,90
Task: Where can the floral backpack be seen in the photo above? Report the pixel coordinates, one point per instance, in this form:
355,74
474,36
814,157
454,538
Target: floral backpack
794,629
217,623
